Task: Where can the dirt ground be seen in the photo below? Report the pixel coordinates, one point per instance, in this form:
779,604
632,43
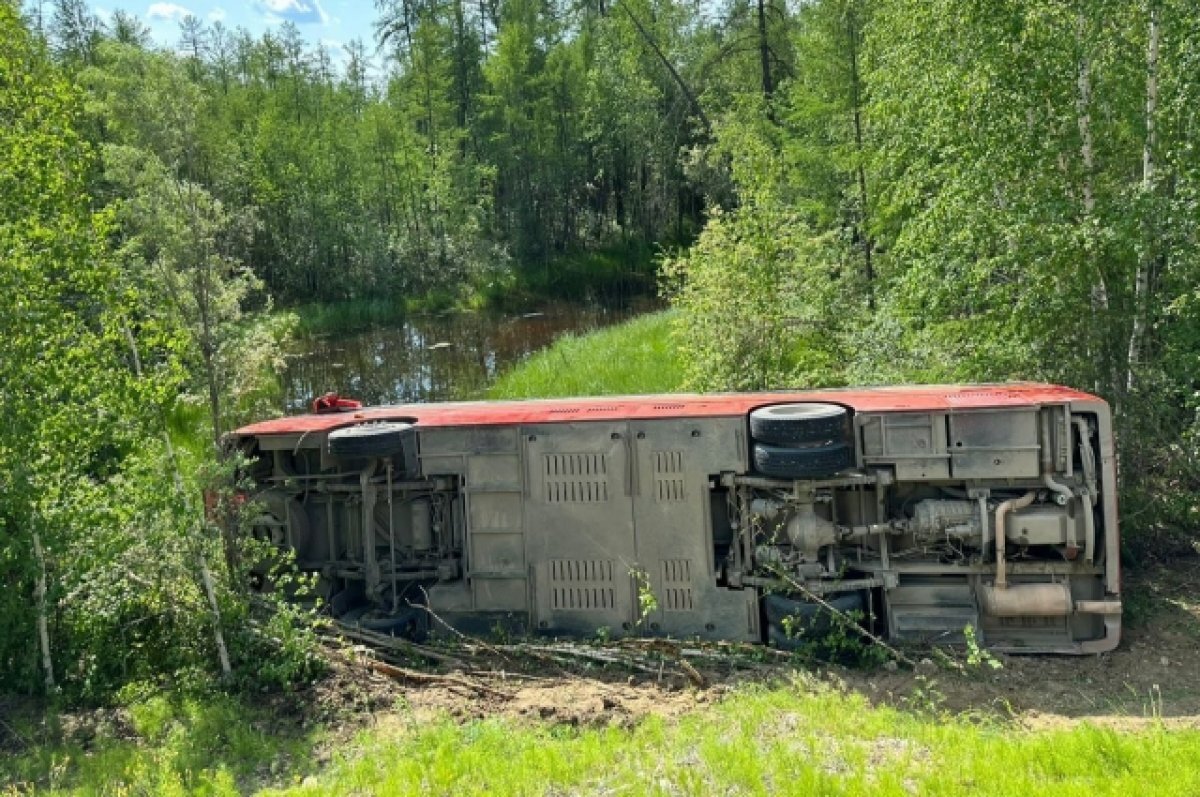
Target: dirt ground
1153,676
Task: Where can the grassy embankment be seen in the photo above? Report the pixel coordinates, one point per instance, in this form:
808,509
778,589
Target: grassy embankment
795,738
635,357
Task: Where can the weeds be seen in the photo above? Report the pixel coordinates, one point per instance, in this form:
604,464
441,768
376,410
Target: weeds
978,656
834,637
647,601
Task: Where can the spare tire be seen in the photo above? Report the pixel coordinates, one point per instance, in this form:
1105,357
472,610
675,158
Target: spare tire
814,462
797,424
379,439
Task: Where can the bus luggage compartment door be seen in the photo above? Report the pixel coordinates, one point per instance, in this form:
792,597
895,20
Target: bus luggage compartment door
674,461
579,527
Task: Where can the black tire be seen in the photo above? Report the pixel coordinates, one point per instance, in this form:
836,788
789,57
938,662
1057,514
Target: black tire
411,624
777,607
811,620
800,424
381,439
815,462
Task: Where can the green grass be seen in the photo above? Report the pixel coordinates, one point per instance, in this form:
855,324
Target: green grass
791,740
635,357
799,738
348,316
163,745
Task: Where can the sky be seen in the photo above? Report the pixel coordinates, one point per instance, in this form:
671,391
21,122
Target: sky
329,22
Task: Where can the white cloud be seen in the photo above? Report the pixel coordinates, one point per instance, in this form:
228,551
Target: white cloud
302,12
216,15
167,11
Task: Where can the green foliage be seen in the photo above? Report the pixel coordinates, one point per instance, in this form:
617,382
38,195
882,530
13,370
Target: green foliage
976,655
500,138
946,193
834,637
165,743
638,356
647,600
761,303
101,556
74,437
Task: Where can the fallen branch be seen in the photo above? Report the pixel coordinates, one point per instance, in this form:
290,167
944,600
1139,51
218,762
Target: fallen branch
451,628
694,675
413,676
394,643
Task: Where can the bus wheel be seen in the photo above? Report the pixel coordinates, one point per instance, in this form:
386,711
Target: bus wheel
800,424
813,462
792,623
382,439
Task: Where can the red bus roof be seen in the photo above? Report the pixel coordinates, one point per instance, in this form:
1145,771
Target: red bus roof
908,398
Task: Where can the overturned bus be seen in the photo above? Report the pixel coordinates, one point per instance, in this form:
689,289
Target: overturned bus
926,509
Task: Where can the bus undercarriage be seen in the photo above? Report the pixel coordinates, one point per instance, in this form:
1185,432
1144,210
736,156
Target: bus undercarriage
920,510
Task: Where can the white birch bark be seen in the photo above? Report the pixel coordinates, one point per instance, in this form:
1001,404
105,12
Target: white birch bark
1087,153
205,573
43,629
1141,281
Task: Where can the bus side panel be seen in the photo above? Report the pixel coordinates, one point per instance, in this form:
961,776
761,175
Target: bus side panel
676,463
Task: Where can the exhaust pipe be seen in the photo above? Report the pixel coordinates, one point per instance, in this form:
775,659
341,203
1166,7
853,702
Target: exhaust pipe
1002,532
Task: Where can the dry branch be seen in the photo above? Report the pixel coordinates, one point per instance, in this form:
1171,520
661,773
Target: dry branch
413,676
395,643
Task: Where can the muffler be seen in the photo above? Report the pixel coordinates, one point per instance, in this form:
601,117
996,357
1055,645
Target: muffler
1026,600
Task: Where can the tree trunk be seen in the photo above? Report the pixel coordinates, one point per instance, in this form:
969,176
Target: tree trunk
1083,114
1141,282
764,56
683,87
868,244
205,573
39,595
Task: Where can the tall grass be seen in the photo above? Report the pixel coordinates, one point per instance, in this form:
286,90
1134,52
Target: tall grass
160,744
634,357
348,316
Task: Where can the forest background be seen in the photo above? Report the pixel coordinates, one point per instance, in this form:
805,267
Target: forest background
831,192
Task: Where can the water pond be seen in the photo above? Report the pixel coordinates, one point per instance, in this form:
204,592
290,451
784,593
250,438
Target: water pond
436,357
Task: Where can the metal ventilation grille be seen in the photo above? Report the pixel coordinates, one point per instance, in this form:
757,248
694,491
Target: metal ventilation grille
582,584
677,585
972,395
575,478
668,476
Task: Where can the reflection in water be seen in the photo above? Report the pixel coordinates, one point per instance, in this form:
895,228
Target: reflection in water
431,357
